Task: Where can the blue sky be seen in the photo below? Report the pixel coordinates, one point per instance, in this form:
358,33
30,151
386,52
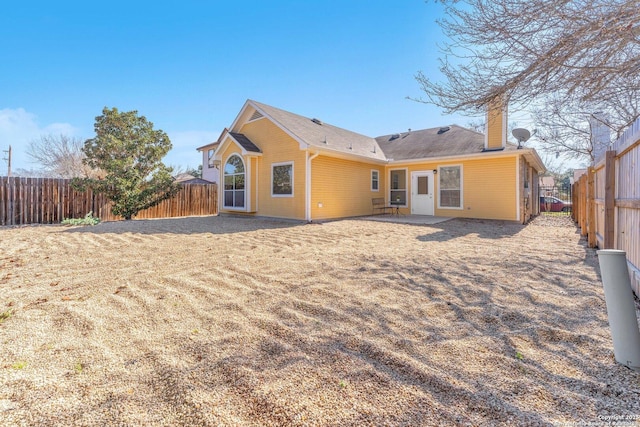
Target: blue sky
189,66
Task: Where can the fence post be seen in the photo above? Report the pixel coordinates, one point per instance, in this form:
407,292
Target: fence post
609,199
583,202
591,209
3,197
11,200
574,200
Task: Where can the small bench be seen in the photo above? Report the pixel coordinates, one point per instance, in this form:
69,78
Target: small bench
378,205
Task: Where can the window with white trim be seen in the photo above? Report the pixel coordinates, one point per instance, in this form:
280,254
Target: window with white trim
398,187
375,180
282,179
210,157
234,174
450,187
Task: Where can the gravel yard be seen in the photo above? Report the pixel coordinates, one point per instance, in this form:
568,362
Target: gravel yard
241,322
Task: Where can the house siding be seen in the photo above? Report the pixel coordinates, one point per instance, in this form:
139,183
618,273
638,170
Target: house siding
277,146
489,190
209,173
253,180
410,168
343,187
493,183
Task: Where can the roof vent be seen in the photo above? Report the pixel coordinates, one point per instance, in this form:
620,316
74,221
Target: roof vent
443,130
394,136
256,115
317,121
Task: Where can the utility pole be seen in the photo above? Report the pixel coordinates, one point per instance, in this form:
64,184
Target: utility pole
8,159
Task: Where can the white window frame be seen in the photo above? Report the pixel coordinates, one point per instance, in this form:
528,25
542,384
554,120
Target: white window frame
210,157
461,207
376,180
244,165
406,186
292,178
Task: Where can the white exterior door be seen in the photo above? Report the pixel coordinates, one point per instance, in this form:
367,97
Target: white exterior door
422,193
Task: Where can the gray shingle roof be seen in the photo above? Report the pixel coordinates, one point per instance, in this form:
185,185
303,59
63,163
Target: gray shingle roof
245,142
417,144
426,143
324,135
184,179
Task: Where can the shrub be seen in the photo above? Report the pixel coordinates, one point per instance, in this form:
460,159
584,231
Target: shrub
88,219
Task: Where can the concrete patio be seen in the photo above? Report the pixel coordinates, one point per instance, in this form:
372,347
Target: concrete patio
408,219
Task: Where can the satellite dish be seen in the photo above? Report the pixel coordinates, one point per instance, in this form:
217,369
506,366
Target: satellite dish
522,135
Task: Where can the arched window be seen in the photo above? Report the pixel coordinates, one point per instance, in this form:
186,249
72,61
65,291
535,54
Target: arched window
234,182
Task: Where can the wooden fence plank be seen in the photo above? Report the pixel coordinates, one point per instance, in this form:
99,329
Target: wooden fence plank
11,201
590,232
38,199
628,203
618,200
2,200
28,200
609,200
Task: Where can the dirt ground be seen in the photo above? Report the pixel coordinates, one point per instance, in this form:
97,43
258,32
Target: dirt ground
232,321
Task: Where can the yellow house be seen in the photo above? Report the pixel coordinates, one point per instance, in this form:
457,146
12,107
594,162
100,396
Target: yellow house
276,163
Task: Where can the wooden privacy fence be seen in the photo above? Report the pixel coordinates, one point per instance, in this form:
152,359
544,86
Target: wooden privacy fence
49,201
606,201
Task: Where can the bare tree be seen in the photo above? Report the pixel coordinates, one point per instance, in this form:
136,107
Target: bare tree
573,128
562,61
60,156
31,173
526,49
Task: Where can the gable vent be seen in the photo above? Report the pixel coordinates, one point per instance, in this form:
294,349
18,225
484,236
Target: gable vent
256,115
443,130
317,121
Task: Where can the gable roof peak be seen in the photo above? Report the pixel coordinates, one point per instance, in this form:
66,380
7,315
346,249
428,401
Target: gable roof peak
319,134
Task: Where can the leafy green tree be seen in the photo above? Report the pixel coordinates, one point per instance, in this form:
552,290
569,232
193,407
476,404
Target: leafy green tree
129,152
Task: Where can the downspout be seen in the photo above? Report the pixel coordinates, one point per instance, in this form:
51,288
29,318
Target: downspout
307,215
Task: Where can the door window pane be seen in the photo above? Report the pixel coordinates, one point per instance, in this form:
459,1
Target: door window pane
423,185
